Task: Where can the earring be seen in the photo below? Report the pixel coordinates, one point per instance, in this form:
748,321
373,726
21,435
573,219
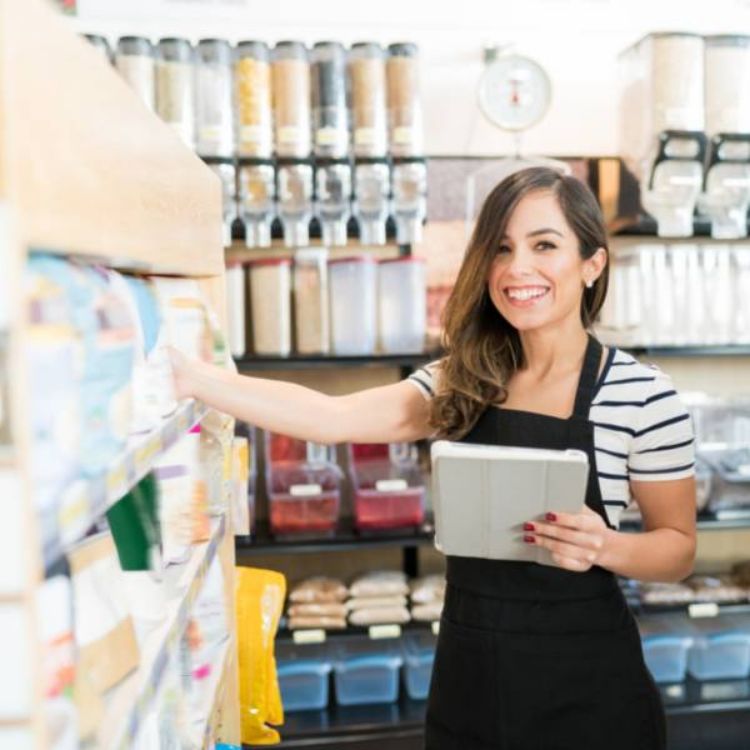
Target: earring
589,284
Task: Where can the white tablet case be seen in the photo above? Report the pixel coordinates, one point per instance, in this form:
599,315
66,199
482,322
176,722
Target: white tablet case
483,494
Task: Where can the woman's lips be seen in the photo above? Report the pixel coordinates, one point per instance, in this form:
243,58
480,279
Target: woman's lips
525,296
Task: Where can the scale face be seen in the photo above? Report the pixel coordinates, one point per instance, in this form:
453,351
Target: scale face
514,92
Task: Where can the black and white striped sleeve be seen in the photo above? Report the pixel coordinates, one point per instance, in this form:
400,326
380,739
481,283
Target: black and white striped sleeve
663,444
425,379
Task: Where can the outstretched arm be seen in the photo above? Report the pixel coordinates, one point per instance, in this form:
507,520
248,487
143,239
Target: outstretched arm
387,414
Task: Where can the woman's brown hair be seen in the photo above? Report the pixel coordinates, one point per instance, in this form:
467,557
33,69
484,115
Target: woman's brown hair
482,349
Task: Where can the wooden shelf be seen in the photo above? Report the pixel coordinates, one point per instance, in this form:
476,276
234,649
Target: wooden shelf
325,361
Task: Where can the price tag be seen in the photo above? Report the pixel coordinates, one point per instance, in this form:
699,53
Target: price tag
391,485
436,627
305,490
381,632
725,691
703,609
309,636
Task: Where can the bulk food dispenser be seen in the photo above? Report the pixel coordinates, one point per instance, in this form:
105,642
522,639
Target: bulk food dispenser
372,183
292,130
662,138
254,112
333,176
726,195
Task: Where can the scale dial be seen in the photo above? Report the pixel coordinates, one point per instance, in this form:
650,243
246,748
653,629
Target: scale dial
514,92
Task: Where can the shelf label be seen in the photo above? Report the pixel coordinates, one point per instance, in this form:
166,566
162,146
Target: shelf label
305,490
381,632
436,627
703,609
309,636
725,691
391,485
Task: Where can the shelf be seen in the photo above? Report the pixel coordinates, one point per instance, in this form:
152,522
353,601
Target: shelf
212,693
87,500
345,539
131,700
644,225
322,361
729,608
354,631
709,350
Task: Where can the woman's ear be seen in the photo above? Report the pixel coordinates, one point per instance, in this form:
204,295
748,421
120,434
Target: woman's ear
594,265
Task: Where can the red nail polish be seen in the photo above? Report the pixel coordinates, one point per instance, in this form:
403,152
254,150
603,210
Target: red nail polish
551,517
528,526
528,539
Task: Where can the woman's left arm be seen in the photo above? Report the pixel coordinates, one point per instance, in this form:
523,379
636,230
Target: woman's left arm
663,551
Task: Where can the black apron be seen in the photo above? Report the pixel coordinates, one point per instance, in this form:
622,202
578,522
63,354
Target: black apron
534,657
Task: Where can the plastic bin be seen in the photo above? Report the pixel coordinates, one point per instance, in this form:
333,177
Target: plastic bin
402,305
367,672
304,487
730,479
419,656
388,486
303,673
721,649
666,656
352,285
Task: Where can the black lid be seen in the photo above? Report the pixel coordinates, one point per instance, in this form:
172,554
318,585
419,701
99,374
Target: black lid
328,44
403,49
728,40
176,49
138,45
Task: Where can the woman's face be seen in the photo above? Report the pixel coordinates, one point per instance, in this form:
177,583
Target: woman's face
537,276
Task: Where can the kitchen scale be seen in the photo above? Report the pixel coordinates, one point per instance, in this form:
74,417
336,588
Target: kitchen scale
514,94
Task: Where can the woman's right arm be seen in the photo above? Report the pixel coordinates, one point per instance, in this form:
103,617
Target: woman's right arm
387,414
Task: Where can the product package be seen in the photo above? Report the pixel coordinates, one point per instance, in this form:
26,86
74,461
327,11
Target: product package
320,590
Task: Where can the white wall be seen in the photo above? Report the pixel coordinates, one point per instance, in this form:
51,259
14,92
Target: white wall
577,41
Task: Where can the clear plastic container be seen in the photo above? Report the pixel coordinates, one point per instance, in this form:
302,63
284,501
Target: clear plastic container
134,60
353,305
303,673
304,487
719,423
311,319
227,173
663,84
419,656
402,304
727,84
718,286
330,121
367,672
405,126
721,649
236,304
730,468
175,89
368,100
742,300
100,44
666,656
389,490
214,84
252,75
270,302
291,100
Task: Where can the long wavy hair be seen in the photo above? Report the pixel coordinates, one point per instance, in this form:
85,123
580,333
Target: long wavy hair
482,349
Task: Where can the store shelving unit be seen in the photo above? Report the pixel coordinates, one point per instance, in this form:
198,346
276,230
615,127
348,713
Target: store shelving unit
87,172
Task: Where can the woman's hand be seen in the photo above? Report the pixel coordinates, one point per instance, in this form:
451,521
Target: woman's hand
180,373
576,541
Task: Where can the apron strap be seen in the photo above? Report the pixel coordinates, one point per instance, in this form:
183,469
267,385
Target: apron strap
587,381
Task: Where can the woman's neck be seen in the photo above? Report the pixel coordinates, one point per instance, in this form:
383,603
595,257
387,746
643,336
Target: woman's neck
548,351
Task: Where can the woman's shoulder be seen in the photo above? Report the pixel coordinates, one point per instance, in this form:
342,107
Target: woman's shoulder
426,378
624,373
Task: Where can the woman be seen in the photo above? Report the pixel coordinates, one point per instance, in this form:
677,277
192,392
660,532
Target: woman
529,656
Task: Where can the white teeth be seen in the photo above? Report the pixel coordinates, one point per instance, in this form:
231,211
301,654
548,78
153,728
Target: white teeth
524,294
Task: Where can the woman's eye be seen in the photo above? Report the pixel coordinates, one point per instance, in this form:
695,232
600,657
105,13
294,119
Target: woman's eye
503,249
545,246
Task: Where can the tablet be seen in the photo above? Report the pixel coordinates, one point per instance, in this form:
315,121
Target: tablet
483,494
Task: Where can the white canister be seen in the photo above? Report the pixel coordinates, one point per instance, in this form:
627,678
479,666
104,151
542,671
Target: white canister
727,84
311,301
236,308
270,304
353,305
134,61
402,305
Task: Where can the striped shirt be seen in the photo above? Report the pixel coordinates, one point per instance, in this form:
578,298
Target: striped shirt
642,430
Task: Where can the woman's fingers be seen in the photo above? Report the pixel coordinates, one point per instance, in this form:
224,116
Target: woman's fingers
565,550
565,534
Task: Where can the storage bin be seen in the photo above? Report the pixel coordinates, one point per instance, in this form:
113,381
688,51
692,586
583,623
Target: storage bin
367,672
214,84
419,656
134,61
291,100
388,486
175,90
368,96
270,301
721,648
237,307
329,111
402,305
311,301
666,656
405,128
304,487
252,74
303,673
353,305
730,478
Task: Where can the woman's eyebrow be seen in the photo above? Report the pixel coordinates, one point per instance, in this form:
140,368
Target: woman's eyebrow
545,230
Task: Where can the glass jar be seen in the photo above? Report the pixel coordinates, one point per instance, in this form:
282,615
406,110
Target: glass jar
252,75
727,84
270,304
311,301
404,108
214,116
368,100
331,131
134,61
291,100
175,95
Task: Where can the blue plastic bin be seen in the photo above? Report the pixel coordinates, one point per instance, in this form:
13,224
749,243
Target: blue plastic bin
419,656
720,656
303,673
367,672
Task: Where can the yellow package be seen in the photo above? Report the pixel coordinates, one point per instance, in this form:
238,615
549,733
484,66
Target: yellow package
260,599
